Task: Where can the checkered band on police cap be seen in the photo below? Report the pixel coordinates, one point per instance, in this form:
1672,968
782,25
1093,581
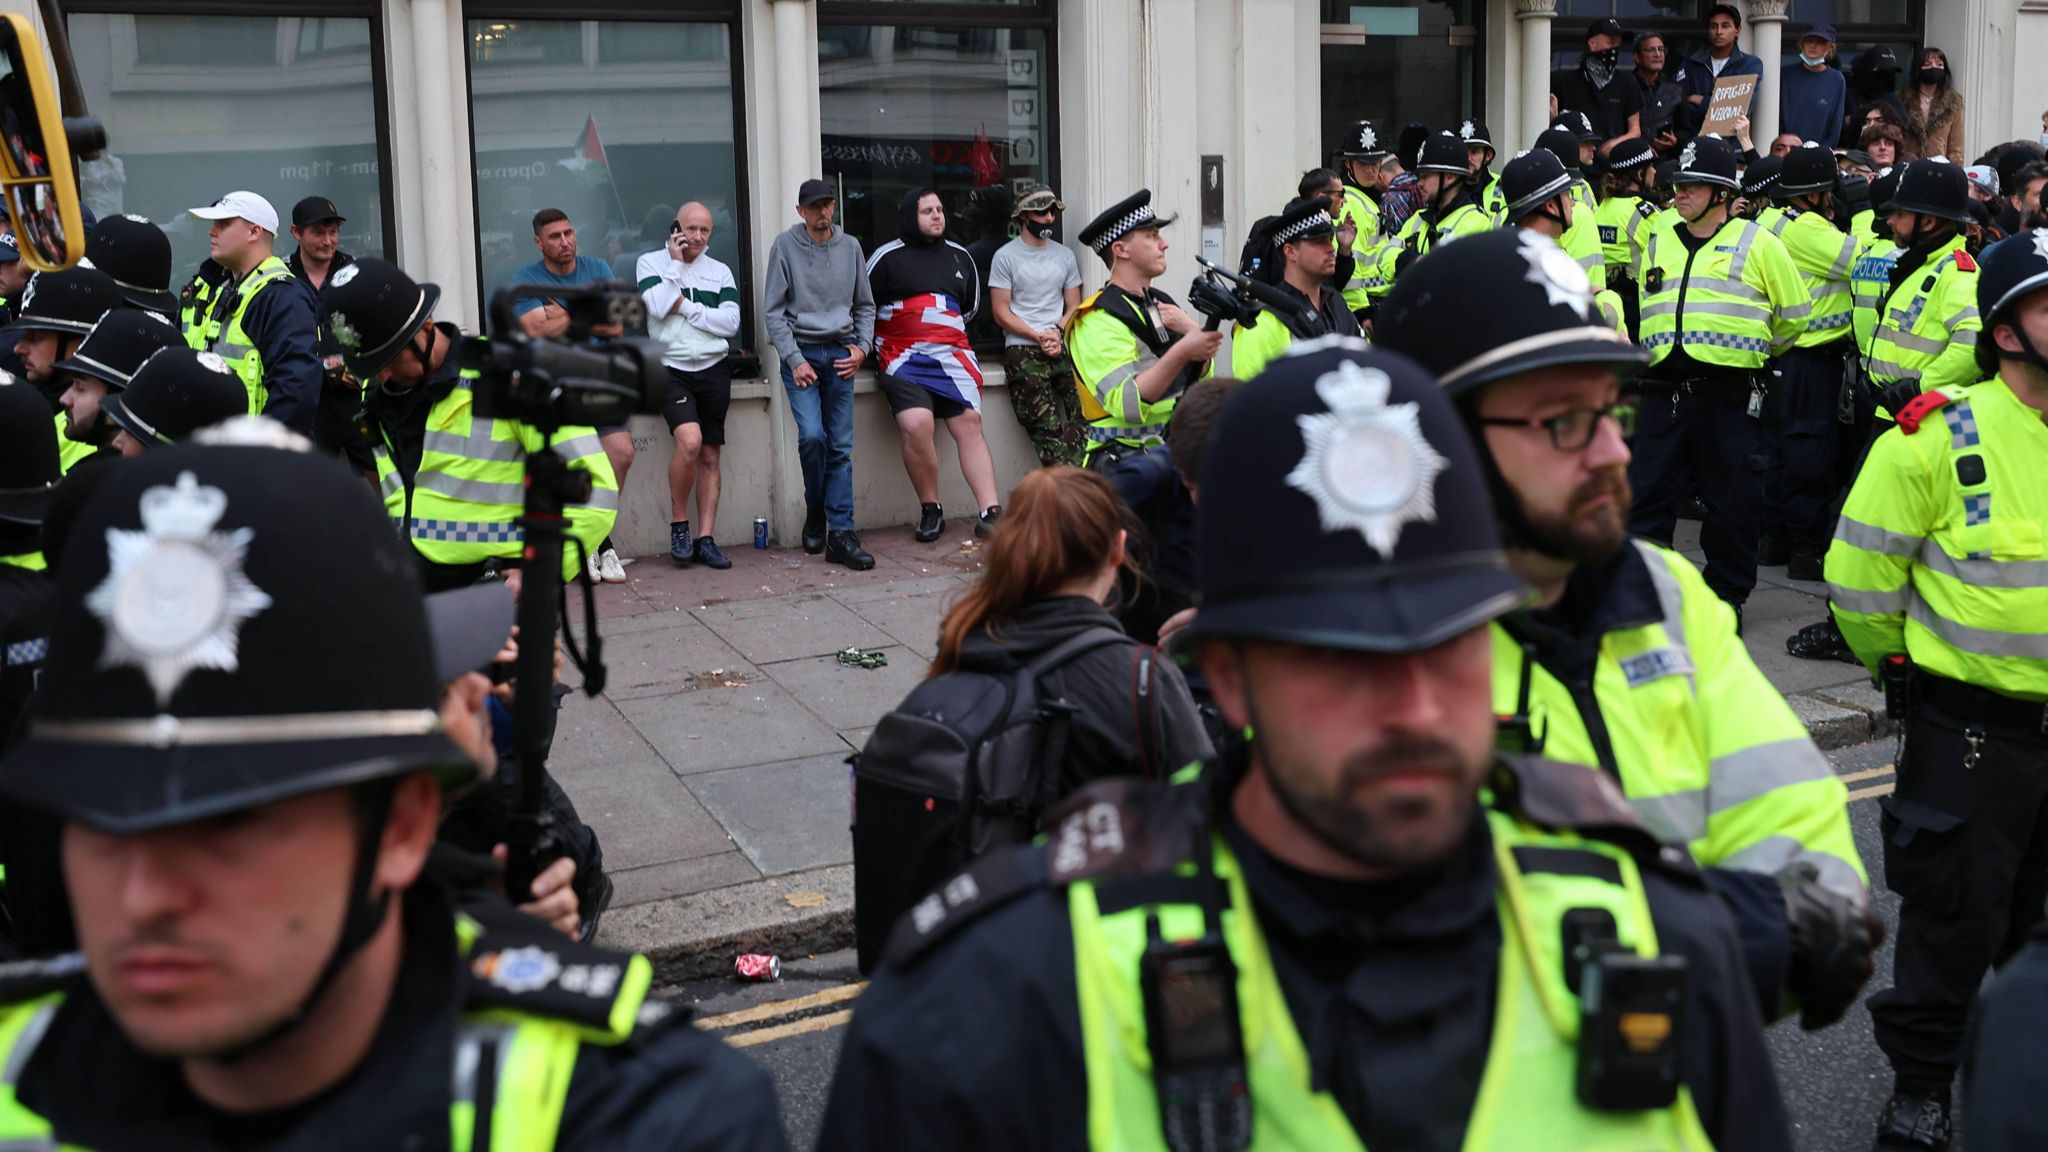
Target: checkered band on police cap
1129,222
1320,223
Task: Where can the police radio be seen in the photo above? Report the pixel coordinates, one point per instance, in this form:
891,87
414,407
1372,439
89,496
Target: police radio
1197,1042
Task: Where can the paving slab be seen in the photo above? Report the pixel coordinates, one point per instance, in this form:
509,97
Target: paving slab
651,882
911,586
591,734
857,738
786,628
844,696
660,661
912,619
717,728
643,814
786,817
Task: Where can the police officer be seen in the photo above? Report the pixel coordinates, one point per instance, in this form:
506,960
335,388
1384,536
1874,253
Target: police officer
1798,516
1926,335
1538,199
1622,219
1449,209
1720,298
57,309
453,482
265,958
29,471
1361,156
103,364
1479,154
1759,182
1134,350
1627,663
137,254
175,393
1305,241
1326,941
1933,579
263,320
1582,239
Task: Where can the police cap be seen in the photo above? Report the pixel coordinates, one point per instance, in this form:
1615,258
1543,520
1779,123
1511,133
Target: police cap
175,393
1444,152
1497,305
70,301
1633,152
372,308
1131,214
1303,219
1560,142
119,343
1706,160
1363,142
1343,506
1760,178
2008,272
1934,187
30,464
1530,181
137,254
1809,168
249,685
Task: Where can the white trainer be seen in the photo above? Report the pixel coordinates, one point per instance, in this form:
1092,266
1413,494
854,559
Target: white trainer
609,569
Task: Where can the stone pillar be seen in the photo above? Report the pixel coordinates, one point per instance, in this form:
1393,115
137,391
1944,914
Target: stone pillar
1767,37
1535,16
443,174
799,155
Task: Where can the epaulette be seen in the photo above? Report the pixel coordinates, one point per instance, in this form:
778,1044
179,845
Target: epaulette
1793,213
518,962
25,980
1909,415
1965,261
1645,209
1587,801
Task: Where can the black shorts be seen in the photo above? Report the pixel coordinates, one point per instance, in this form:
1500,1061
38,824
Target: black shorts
700,398
904,395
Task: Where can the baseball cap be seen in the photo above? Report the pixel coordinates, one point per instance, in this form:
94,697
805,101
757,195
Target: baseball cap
241,205
1984,176
1823,31
813,191
1609,27
314,209
9,250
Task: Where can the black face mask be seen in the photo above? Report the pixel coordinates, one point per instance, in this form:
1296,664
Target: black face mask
1934,75
1611,57
1039,228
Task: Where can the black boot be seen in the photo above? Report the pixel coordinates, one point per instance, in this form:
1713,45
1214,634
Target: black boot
844,548
1804,566
1919,1123
1821,641
931,520
814,530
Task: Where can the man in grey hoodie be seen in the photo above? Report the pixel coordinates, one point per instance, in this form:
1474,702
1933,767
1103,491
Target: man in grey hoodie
821,319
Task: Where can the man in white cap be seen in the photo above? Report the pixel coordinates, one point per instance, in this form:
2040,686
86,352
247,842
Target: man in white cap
264,321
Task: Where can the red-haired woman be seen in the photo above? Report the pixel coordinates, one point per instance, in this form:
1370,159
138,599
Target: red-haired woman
1047,576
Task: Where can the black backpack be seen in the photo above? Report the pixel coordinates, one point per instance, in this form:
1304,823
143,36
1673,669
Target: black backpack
966,764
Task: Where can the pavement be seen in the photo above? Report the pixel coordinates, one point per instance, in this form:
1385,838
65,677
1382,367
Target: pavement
713,765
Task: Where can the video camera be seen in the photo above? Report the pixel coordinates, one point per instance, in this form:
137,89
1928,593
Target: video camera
1221,294
581,378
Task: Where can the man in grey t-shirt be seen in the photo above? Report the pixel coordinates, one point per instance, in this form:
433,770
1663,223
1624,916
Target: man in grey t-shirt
1034,286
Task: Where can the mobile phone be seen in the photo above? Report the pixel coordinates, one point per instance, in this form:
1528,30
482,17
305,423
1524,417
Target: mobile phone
675,227
1197,1042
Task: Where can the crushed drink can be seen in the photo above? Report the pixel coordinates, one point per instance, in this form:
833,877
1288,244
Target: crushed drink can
760,532
758,968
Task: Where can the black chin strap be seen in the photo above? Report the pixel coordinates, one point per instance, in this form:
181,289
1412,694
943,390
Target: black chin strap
1558,217
2027,353
359,922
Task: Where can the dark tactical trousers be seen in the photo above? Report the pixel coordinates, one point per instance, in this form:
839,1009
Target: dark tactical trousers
1799,487
1702,437
1042,394
1966,850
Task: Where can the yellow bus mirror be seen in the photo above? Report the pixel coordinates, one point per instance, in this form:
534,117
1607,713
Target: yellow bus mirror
35,154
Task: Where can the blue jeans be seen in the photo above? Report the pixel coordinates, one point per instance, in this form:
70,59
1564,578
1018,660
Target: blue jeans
824,433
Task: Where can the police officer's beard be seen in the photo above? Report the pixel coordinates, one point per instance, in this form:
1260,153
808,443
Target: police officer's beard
1381,832
1580,534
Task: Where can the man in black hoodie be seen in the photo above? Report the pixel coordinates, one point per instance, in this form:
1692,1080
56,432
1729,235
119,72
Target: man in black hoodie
926,288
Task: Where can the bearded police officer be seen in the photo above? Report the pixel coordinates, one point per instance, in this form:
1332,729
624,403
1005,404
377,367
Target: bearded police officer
56,310
1721,296
175,393
1449,209
1934,580
453,482
1325,942
1304,246
102,366
1361,155
1134,350
263,320
265,960
1627,663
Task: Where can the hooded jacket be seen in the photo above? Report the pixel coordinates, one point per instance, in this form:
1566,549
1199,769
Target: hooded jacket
815,293
926,289
1106,736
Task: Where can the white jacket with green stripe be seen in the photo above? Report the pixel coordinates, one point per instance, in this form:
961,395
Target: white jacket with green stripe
693,308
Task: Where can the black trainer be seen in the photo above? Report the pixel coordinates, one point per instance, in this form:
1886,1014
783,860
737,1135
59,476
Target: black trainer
931,520
708,555
1804,566
1772,549
844,548
1693,508
814,530
986,526
679,547
1821,641
592,899
1919,1123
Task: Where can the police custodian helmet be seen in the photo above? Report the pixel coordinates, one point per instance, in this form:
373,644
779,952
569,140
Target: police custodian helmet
1343,506
1707,160
1934,188
372,308
1496,305
198,663
2007,273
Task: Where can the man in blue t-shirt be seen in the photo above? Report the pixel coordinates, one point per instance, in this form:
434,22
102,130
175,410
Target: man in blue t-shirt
544,317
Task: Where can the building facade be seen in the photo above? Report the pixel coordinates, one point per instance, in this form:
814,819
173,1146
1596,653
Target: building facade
441,126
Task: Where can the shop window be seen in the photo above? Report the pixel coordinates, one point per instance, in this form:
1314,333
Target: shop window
1407,63
196,106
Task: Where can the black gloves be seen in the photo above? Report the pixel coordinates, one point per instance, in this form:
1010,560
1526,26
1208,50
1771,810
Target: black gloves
1833,941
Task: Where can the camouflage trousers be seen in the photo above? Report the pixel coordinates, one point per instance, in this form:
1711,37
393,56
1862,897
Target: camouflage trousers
1048,408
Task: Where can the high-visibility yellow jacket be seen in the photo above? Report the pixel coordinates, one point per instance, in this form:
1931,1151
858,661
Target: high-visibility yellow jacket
1734,302
1362,210
1927,326
226,336
1669,704
1825,258
1421,232
1581,241
1939,550
1623,223
1103,339
1870,280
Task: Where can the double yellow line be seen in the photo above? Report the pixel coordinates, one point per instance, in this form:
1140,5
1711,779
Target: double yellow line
783,1009
1873,791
